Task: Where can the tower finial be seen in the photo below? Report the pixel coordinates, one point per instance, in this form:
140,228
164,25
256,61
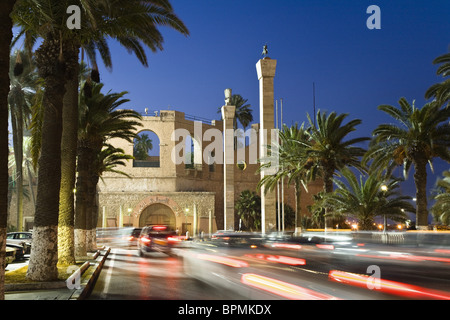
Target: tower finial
265,51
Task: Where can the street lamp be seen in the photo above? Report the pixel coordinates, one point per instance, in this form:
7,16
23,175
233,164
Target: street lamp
384,188
186,211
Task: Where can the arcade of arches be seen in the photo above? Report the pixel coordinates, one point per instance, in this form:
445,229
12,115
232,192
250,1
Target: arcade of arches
183,211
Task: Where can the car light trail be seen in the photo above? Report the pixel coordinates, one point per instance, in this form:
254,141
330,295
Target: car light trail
442,251
279,259
387,286
405,257
283,289
287,260
286,246
325,246
223,260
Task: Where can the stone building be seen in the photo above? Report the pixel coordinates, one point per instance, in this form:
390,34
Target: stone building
198,196
196,172
188,196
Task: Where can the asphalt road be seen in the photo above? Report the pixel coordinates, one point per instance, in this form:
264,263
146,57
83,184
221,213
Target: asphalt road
207,271
126,276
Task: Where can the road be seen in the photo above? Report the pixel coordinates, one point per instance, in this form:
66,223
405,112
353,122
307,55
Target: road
126,276
272,271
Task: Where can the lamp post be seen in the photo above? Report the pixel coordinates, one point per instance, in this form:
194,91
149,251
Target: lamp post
384,188
186,211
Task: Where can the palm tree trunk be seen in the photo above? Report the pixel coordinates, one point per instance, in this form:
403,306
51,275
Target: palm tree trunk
6,7
328,188
92,215
66,237
420,179
91,207
53,68
18,157
298,209
81,200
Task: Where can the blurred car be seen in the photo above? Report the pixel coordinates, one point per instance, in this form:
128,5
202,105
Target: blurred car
161,238
19,250
21,238
237,239
10,256
134,237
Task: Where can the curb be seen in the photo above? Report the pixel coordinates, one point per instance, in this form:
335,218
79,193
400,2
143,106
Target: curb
87,275
90,275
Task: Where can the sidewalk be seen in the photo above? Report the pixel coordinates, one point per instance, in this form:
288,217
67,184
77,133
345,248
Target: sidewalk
59,290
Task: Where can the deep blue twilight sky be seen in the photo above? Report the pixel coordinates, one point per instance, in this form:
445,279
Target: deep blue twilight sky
326,42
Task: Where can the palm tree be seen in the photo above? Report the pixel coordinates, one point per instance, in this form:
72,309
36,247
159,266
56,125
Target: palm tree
418,136
100,120
6,24
292,164
327,148
441,207
26,164
142,145
23,87
55,62
243,112
107,160
69,143
248,208
365,199
441,91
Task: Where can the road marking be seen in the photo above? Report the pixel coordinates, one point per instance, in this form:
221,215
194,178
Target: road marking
111,260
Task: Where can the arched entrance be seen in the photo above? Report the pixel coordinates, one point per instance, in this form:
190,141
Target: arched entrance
157,213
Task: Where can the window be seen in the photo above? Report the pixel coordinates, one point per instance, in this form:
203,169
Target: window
146,150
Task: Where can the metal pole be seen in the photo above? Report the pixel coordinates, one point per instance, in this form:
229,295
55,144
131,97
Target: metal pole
282,179
278,182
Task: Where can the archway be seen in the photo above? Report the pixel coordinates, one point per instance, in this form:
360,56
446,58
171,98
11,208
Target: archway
157,213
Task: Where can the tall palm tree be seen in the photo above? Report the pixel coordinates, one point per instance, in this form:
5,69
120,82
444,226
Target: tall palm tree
365,199
327,148
56,63
292,164
329,151
23,87
441,91
107,160
26,164
69,143
100,120
6,24
417,137
129,22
